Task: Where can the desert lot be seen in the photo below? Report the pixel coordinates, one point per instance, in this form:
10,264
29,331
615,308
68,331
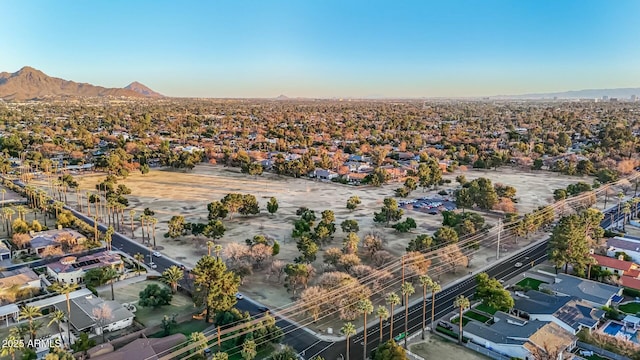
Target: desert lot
170,193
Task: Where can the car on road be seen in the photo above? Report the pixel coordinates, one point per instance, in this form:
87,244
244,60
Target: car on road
518,264
153,266
400,336
239,296
157,254
445,325
263,308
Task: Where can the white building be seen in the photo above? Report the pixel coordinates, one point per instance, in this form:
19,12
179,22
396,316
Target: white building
71,269
85,318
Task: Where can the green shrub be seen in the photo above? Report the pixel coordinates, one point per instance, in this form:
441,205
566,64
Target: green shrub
631,292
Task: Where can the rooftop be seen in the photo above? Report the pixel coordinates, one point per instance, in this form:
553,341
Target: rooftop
82,310
507,329
550,338
17,277
589,290
624,244
613,263
97,260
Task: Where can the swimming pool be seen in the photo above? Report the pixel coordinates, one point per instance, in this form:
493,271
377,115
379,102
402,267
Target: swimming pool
615,329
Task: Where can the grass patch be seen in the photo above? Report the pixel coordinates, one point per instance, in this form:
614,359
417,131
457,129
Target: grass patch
630,308
486,309
475,316
185,328
530,283
465,320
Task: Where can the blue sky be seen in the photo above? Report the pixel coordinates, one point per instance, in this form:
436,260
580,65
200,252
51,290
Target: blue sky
328,48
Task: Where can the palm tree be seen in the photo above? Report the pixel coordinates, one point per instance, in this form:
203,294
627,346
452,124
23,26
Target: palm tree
365,307
107,237
626,210
216,249
620,197
58,317
132,213
31,312
383,314
154,221
4,191
9,212
634,207
200,340
435,288
16,344
139,259
392,299
407,290
425,281
58,205
88,195
461,303
95,228
142,219
110,274
347,330
172,277
65,289
21,210
210,244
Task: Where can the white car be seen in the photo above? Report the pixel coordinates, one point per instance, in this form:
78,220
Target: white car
239,296
157,254
518,264
153,266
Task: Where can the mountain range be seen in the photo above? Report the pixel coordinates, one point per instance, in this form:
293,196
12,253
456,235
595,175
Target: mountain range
32,84
620,93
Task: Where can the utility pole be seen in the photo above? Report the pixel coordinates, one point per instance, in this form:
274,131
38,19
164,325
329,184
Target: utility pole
499,233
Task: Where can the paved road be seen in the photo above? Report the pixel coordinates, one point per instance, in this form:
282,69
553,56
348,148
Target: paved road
309,345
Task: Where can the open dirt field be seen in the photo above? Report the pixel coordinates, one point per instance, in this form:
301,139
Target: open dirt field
435,347
171,193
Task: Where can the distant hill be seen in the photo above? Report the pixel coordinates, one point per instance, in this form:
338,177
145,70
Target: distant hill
620,93
143,89
32,84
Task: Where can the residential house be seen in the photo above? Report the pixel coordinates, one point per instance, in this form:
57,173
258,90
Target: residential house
41,240
617,266
628,246
594,293
323,174
22,278
355,178
143,348
570,313
519,338
357,166
71,269
84,317
5,251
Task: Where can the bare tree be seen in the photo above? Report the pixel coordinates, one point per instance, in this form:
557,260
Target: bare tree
102,316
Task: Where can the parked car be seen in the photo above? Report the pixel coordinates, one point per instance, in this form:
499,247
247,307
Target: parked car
157,254
239,296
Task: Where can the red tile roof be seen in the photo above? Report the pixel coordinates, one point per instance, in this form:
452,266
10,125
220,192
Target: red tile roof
612,262
628,281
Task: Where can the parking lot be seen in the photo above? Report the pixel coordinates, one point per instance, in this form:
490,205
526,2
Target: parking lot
431,206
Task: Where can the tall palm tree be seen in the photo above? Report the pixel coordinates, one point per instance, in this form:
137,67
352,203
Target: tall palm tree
383,314
88,195
626,210
58,205
348,330
21,210
172,277
620,197
57,318
425,281
210,244
4,191
407,290
142,220
634,207
108,237
9,212
65,289
154,221
216,249
110,274
132,213
365,307
95,228
30,313
392,299
139,259
462,303
435,288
